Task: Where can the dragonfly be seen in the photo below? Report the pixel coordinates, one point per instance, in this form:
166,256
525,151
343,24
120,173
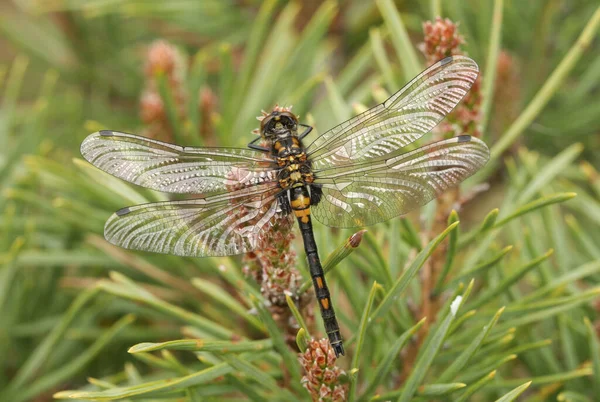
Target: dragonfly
359,173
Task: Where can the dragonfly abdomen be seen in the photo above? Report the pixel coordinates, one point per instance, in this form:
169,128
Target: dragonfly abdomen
300,203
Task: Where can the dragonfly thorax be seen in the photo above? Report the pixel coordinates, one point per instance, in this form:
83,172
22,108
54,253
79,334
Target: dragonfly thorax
291,158
295,175
288,150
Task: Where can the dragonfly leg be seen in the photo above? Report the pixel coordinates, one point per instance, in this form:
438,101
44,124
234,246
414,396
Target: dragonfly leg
305,132
284,203
252,145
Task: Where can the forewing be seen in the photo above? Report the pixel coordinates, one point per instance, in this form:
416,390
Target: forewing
223,225
171,168
402,119
368,193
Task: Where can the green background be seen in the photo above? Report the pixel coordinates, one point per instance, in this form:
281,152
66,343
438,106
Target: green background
71,305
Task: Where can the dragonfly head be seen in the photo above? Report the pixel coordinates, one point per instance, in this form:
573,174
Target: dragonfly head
278,123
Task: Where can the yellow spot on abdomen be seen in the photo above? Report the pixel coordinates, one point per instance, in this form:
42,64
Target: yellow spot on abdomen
302,214
300,203
325,303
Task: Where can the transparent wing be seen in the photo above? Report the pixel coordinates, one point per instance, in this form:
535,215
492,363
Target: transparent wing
174,169
368,193
402,119
222,225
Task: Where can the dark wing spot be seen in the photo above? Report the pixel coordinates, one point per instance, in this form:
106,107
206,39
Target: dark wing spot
446,60
284,204
106,133
464,138
123,211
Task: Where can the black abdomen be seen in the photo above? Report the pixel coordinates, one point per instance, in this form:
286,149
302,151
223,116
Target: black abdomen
300,201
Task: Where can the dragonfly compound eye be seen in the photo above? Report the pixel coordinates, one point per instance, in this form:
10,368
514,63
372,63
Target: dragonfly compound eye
287,122
268,127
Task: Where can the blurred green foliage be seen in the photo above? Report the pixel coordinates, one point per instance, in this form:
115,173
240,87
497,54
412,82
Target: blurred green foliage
71,305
